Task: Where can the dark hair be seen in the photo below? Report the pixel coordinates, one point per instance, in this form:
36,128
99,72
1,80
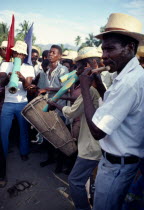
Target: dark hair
35,51
57,47
40,59
45,54
90,60
45,63
122,39
67,61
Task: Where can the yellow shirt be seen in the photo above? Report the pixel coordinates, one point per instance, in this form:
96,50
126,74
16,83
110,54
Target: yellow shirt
88,147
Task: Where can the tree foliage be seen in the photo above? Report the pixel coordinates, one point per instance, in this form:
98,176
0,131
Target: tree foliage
3,32
90,40
63,47
78,40
22,31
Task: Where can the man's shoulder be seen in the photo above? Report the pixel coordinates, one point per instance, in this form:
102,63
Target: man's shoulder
6,66
63,68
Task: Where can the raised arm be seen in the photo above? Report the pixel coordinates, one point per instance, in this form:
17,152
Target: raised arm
85,82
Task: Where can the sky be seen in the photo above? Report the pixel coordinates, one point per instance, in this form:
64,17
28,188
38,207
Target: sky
61,21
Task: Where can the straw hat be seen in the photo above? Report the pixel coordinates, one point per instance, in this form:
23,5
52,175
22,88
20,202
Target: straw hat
124,24
140,51
69,54
88,52
4,44
20,47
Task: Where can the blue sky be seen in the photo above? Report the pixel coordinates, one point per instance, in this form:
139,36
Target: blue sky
61,21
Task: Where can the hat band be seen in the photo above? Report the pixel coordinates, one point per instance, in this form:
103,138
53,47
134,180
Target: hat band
114,29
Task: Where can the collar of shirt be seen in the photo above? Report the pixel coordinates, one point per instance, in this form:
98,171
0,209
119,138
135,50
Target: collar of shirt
54,69
129,67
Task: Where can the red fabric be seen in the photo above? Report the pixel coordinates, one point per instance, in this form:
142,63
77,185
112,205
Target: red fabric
10,40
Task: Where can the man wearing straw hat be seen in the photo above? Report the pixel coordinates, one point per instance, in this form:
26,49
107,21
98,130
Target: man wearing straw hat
89,152
118,123
14,103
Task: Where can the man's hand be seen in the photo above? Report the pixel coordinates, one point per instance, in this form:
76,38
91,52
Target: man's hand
4,79
32,89
20,76
53,105
41,91
86,79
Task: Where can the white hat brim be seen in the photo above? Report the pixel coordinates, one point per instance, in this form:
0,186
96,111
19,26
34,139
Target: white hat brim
18,51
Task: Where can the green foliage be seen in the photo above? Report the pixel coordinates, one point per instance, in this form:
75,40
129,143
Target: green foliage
3,32
22,31
102,29
90,41
78,40
63,47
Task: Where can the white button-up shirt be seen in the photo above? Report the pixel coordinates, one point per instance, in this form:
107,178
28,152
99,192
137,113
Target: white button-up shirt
121,116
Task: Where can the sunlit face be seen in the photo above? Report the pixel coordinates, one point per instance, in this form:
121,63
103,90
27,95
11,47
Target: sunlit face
54,55
34,57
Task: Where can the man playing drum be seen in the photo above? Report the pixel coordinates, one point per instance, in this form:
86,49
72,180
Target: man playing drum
89,152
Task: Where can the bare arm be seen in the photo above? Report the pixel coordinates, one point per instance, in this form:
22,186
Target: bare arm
4,79
69,98
53,105
48,89
25,81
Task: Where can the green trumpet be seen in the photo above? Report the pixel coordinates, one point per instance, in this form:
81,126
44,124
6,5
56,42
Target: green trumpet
67,76
13,84
73,79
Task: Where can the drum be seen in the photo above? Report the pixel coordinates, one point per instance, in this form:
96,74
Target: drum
50,125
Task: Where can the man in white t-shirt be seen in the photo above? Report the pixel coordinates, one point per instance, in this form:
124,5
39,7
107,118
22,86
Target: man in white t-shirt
14,103
118,123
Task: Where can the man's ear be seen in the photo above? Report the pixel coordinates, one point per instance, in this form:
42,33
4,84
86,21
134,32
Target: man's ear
131,48
60,56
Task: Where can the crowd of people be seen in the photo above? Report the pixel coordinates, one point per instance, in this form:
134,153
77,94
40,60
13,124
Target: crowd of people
103,110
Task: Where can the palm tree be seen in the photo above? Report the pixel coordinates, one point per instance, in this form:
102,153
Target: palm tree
102,28
91,41
63,47
78,40
82,46
3,32
24,27
21,33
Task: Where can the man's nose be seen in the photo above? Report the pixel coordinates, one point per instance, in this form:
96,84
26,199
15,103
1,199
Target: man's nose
104,55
